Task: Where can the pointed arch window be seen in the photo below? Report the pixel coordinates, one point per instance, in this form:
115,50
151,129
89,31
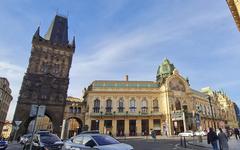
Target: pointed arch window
155,106
144,106
132,105
109,106
121,105
96,107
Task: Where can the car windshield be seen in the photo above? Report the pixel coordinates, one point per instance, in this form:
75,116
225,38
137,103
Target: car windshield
104,140
49,138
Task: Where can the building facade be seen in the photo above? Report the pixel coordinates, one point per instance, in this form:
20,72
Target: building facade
234,6
74,117
168,105
5,100
47,77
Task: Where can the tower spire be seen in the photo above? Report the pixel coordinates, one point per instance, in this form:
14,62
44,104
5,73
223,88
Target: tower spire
58,30
37,33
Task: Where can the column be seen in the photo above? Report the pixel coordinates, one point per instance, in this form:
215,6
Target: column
63,128
139,127
114,127
126,127
101,126
150,124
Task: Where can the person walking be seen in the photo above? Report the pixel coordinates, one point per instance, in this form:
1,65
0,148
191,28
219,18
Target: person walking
237,134
212,138
153,134
223,140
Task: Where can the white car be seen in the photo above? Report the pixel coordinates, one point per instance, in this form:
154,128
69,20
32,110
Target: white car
96,142
200,133
186,133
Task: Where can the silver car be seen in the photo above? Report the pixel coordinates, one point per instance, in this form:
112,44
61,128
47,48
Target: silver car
95,142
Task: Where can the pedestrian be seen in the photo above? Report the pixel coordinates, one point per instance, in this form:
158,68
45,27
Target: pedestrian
212,138
237,134
110,133
153,134
223,140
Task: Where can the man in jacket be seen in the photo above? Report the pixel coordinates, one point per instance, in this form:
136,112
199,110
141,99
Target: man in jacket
212,138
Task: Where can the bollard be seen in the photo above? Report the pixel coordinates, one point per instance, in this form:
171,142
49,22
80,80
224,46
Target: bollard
200,139
181,140
184,141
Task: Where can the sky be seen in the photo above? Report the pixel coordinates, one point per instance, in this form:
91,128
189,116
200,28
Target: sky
115,38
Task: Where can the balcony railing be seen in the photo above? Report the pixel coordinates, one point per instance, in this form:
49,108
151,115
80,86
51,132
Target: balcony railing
155,109
144,109
96,109
120,109
108,109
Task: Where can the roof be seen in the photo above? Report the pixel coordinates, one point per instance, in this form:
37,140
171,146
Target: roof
198,93
58,30
126,84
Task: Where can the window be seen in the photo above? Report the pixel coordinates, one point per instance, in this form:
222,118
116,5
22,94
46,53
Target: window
96,107
70,109
86,139
109,105
177,105
78,140
144,106
121,105
132,105
155,106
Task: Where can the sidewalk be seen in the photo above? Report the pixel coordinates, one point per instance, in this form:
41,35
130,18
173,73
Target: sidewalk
232,143
147,137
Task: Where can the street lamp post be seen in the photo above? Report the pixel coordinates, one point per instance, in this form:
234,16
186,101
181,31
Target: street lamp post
213,118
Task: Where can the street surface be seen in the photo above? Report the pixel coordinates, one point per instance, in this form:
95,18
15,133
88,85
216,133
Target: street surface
141,144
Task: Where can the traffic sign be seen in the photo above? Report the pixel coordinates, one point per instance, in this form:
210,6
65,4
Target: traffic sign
37,111
33,111
18,123
41,111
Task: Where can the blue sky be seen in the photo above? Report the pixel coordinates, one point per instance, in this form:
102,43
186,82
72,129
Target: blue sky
119,37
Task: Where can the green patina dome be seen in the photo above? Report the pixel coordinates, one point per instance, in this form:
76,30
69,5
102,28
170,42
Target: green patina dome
165,70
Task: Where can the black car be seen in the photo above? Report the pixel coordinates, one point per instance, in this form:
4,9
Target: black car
44,141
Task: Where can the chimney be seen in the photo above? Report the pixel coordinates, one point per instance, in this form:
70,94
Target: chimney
126,77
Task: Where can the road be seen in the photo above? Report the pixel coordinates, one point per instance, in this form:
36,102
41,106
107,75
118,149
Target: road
142,144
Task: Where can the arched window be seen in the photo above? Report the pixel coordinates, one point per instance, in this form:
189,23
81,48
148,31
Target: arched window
109,105
70,109
96,107
121,105
144,106
177,105
155,106
132,105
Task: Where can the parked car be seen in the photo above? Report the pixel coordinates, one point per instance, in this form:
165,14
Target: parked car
3,144
90,132
200,133
96,142
44,141
25,138
186,133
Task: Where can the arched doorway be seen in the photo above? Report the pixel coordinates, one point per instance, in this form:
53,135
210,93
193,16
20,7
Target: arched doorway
43,123
73,126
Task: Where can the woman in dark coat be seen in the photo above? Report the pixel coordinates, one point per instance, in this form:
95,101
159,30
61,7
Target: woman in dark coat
223,140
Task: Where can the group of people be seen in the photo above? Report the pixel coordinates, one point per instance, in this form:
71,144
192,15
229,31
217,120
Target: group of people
222,138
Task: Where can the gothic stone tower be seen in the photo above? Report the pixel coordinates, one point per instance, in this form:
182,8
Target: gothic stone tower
47,77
